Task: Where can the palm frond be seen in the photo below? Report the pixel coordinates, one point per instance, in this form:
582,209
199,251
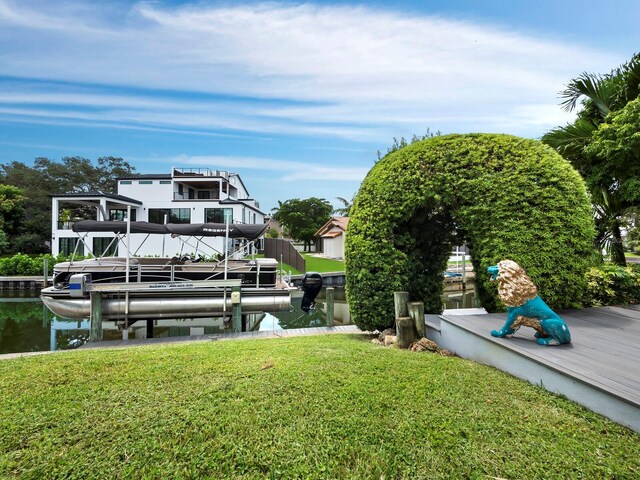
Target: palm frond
597,89
570,140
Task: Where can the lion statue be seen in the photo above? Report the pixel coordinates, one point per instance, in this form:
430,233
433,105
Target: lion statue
525,307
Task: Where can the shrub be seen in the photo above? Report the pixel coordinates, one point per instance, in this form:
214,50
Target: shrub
22,264
505,197
19,264
612,284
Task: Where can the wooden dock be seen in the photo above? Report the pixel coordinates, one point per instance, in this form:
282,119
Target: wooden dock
294,332
600,369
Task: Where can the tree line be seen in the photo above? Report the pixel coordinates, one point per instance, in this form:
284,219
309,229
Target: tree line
25,195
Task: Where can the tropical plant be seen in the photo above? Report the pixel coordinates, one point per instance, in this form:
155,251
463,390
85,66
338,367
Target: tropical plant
611,284
346,207
602,144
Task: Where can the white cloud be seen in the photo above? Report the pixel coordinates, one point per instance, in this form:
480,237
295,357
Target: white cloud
288,171
337,71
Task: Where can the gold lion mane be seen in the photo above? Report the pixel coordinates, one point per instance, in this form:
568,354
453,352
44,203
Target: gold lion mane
515,287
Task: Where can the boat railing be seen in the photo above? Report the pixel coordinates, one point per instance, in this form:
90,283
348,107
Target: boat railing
121,287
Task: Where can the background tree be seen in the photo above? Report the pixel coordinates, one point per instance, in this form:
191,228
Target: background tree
303,218
603,145
346,207
48,177
11,214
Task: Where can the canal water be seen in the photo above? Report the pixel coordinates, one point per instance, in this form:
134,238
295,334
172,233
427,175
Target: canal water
26,325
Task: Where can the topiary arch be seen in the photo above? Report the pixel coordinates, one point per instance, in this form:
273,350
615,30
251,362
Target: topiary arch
504,196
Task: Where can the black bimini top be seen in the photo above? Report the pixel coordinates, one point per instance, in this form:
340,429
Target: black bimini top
250,232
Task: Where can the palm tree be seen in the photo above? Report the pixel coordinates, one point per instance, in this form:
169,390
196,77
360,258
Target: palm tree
345,209
598,95
608,214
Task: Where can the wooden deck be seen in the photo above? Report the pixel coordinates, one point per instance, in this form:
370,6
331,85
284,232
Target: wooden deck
600,369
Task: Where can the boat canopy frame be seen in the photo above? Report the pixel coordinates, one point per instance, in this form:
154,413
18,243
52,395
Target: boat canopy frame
235,230
251,232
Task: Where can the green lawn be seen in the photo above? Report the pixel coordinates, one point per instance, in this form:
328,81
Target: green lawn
316,264
322,265
307,407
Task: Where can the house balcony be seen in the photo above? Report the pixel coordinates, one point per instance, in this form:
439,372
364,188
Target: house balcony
198,195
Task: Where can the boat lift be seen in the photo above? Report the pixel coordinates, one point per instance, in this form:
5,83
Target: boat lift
231,289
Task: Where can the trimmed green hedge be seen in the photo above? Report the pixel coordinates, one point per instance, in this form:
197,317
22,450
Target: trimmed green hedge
504,196
22,265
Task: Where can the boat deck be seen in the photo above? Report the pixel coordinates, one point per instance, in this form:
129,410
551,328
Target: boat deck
599,369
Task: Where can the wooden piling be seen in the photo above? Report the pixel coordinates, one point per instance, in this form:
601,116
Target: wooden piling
416,312
405,332
45,269
330,300
95,334
400,300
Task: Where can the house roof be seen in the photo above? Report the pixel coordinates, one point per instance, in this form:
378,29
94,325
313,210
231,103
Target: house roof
146,176
98,194
334,234
340,222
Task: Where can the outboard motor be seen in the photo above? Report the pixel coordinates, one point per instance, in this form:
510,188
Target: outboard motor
311,286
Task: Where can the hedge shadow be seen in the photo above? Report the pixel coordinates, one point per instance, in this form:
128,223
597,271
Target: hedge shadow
504,196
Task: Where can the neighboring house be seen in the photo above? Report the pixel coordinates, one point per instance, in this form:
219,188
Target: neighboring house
274,225
186,195
331,236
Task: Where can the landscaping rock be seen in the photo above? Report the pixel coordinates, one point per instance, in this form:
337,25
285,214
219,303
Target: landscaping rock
384,333
424,344
390,340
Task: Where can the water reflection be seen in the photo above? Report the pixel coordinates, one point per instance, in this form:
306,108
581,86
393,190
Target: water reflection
26,325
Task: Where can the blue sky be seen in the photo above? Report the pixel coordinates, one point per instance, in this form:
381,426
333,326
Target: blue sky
297,97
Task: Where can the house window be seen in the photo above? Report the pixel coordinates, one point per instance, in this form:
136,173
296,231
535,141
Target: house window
103,246
121,214
204,194
125,182
67,246
218,215
145,182
174,215
165,182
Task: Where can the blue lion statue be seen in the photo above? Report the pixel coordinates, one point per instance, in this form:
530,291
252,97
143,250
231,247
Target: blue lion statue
525,307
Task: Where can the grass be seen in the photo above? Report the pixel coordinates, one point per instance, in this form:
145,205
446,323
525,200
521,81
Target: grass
315,264
313,407
322,265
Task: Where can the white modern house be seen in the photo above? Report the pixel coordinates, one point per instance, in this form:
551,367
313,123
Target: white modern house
186,195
